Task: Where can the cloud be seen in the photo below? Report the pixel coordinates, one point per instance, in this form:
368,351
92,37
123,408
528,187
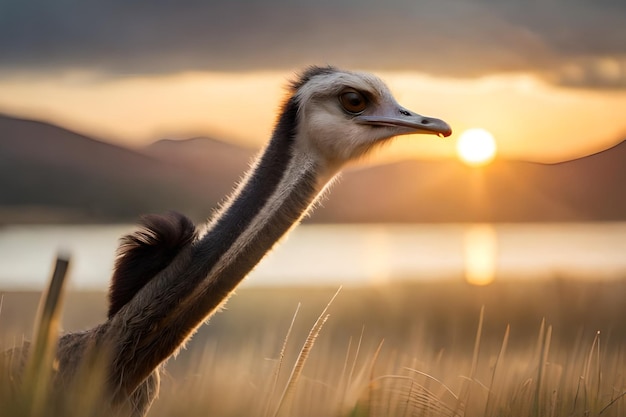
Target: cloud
592,72
447,37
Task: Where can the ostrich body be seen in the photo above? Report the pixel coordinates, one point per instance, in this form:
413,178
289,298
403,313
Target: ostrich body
169,278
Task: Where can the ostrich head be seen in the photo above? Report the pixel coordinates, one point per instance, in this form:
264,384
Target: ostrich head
342,115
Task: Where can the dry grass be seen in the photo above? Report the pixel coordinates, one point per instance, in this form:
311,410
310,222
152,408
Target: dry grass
552,348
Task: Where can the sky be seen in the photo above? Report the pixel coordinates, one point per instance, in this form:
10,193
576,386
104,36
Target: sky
546,77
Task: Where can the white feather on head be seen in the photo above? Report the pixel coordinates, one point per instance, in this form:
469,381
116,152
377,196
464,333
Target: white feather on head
325,126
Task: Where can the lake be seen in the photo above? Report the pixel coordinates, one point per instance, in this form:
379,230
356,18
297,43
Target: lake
349,254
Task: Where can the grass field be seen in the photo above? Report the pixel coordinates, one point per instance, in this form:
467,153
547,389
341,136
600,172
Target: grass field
549,348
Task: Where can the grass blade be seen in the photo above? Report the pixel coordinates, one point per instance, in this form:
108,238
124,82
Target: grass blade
281,356
303,355
40,362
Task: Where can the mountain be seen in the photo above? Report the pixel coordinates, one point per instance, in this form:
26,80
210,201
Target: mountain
585,189
54,174
207,162
48,173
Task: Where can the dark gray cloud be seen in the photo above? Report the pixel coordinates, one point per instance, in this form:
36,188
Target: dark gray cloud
449,37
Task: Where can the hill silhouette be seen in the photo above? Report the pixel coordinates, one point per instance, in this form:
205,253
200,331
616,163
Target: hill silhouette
48,173
59,175
585,189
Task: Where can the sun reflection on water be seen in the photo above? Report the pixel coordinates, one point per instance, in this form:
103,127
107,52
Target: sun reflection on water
378,256
479,254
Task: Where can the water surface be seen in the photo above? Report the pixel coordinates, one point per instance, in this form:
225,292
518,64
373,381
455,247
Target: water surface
350,254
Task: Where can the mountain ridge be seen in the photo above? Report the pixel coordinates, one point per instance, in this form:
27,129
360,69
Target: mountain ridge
47,167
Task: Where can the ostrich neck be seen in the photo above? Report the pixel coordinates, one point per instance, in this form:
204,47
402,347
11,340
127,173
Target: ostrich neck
273,197
253,220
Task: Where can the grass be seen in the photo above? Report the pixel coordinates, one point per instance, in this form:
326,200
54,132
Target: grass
553,348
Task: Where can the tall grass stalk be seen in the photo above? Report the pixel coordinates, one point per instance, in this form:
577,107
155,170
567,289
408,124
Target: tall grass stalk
296,371
464,397
544,343
343,395
356,357
357,394
343,384
279,363
492,395
587,373
39,367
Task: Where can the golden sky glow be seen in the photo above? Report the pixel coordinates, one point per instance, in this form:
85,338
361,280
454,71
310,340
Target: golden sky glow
531,119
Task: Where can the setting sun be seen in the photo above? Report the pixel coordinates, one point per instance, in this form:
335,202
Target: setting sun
476,147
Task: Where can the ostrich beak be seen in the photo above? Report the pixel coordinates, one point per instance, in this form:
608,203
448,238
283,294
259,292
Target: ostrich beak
406,121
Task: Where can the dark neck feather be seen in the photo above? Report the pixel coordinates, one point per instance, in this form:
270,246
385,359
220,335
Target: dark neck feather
252,196
145,253
259,239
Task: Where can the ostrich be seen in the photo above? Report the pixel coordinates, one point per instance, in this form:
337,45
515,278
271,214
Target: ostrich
170,277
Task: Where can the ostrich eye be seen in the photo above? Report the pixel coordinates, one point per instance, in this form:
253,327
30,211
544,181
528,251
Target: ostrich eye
352,101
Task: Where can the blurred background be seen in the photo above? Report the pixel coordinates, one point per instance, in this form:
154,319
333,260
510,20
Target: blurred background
113,109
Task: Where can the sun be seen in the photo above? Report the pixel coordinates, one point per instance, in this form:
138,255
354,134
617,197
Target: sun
476,147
